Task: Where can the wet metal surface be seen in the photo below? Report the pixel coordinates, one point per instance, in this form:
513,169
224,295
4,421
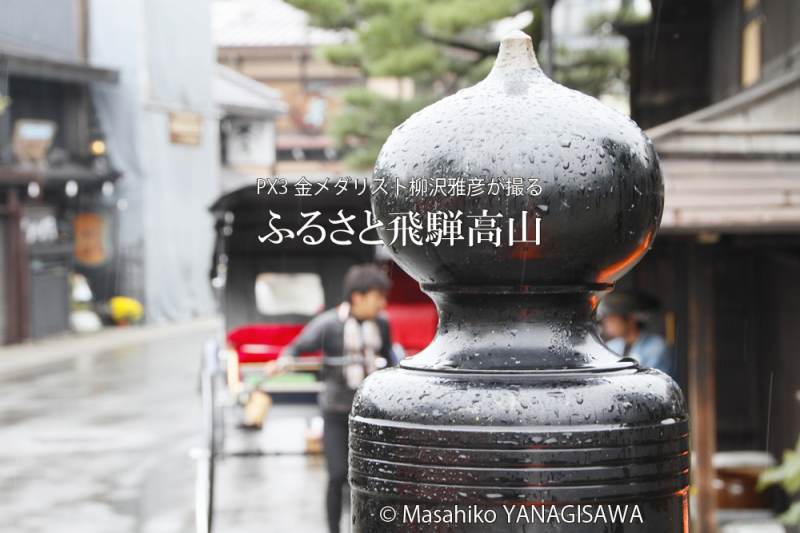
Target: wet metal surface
102,444
517,399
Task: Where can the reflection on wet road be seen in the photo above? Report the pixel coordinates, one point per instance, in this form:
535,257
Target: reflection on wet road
102,444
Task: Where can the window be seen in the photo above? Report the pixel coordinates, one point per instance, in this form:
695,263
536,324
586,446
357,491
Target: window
751,43
287,294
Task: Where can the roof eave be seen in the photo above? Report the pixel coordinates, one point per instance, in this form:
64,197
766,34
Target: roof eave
41,67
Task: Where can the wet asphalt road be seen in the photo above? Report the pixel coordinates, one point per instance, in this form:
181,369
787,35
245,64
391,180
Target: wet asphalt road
102,444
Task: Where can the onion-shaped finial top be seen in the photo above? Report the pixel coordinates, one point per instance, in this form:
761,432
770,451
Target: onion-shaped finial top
528,149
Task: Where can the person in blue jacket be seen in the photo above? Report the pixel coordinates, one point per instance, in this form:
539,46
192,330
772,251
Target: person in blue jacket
623,319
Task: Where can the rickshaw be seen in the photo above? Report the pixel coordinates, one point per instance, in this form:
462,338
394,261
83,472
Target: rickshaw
266,293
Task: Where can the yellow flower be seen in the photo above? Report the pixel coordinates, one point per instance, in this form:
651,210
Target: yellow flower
125,310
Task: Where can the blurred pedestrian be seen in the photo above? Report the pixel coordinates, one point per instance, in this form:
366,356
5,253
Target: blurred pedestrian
624,319
355,340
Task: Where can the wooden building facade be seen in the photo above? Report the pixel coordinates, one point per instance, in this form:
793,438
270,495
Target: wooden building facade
718,84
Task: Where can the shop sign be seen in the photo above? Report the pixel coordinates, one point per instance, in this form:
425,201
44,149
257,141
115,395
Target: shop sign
185,128
90,242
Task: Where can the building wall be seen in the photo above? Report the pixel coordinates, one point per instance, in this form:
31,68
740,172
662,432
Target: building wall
250,145
303,79
669,61
3,295
780,36
166,231
689,54
779,377
756,288
570,16
780,42
48,27
724,49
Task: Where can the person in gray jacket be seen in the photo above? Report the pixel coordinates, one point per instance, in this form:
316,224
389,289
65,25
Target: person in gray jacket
355,340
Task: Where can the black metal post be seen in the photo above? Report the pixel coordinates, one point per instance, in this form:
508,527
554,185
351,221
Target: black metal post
517,410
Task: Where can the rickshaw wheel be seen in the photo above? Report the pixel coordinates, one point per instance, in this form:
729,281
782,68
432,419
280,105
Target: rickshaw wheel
211,383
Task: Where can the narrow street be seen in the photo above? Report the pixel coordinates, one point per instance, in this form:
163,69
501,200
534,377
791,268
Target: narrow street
102,443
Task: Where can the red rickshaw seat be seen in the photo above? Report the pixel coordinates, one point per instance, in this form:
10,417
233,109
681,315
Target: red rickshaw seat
413,326
261,343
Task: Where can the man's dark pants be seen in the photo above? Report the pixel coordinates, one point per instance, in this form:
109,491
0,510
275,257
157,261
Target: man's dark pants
334,441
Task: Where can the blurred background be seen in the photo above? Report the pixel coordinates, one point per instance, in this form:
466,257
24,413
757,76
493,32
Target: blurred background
131,132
